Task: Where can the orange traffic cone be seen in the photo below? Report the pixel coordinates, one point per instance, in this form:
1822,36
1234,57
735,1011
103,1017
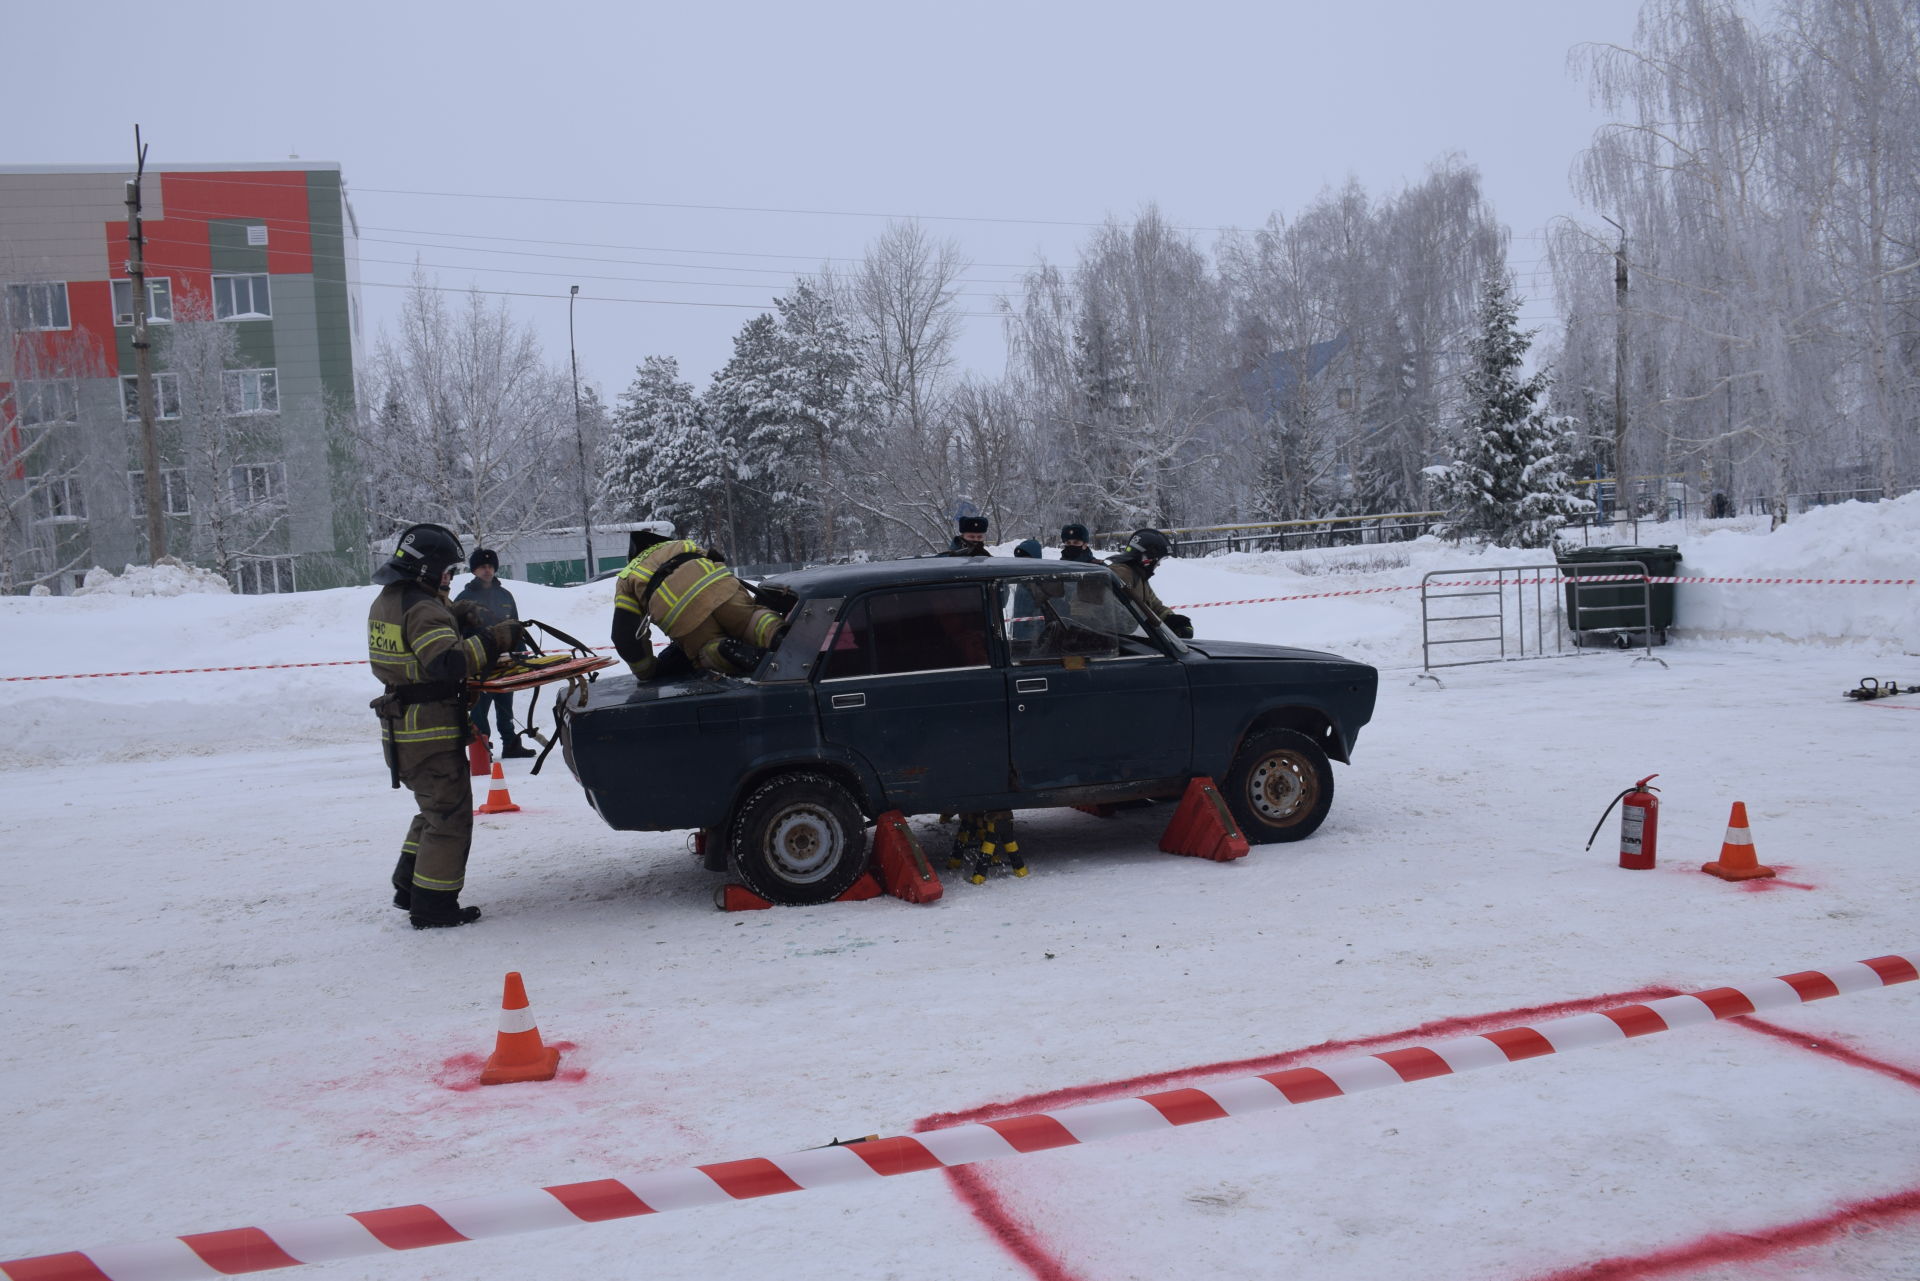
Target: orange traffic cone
1737,861
499,800
518,1054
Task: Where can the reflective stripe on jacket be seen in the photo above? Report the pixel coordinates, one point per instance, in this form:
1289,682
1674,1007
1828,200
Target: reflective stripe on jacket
689,595
412,638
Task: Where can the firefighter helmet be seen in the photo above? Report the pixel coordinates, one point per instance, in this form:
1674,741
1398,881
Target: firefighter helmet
1150,543
423,554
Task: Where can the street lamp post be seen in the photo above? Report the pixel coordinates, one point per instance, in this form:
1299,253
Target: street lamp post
580,437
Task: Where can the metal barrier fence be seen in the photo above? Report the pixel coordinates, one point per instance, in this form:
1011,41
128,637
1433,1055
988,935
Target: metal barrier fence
1517,611
1284,535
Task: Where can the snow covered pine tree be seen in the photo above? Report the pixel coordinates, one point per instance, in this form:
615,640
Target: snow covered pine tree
1508,482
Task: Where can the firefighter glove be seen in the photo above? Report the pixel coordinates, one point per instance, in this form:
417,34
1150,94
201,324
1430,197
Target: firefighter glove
510,634
467,614
1180,625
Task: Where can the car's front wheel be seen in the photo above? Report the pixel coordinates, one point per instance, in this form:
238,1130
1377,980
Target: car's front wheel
1279,786
798,839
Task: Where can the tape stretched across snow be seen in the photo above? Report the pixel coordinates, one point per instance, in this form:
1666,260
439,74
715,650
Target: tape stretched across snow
411,1227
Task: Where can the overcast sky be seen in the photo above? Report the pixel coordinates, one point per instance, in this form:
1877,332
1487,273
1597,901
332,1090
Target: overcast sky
1007,127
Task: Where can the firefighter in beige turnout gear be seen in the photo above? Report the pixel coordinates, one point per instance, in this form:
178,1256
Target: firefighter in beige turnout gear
696,601
424,653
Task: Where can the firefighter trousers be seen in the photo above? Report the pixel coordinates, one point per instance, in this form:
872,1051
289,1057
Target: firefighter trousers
434,855
737,617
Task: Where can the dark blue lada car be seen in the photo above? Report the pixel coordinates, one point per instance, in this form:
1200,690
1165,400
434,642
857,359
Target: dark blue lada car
950,685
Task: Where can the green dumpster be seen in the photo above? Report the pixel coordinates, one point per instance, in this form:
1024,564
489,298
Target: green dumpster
1620,607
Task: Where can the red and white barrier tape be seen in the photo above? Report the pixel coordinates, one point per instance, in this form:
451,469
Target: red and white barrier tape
410,1227
1205,604
1556,579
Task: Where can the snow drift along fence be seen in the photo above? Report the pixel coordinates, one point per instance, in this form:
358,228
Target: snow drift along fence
411,1227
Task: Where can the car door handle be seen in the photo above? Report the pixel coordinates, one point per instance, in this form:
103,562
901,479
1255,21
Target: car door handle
849,700
1034,685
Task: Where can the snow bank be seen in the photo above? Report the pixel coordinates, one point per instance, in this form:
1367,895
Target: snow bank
173,617
166,577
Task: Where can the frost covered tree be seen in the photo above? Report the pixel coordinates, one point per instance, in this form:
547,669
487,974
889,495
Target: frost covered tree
1765,171
794,407
660,459
475,430
228,436
832,401
1507,482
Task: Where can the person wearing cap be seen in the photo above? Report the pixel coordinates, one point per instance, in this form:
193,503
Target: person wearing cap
416,649
491,603
972,538
1134,567
1073,544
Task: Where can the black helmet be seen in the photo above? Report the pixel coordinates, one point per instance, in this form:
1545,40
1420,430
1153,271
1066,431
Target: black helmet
1029,548
422,555
646,536
1150,543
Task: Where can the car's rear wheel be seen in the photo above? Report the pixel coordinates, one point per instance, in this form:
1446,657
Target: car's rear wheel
1279,786
798,839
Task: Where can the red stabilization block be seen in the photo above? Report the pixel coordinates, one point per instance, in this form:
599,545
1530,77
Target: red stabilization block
864,888
738,898
904,869
1203,827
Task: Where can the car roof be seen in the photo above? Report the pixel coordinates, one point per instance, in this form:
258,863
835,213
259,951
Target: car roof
844,580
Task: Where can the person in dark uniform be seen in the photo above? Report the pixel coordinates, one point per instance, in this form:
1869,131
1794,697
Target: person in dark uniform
972,538
491,603
1073,544
417,652
1134,567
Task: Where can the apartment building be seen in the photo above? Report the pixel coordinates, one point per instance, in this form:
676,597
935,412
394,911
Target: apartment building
253,313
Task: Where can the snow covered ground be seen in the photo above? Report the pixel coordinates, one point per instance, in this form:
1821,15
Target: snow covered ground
214,1019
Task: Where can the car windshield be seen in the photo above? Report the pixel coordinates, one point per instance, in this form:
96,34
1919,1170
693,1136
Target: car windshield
1063,617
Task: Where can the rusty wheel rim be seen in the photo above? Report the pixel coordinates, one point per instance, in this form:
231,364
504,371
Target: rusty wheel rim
1283,788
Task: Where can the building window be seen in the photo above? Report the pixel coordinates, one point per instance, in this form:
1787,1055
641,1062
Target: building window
39,306
256,235
43,404
251,391
176,496
59,498
257,483
166,396
159,301
241,298
258,576
1343,398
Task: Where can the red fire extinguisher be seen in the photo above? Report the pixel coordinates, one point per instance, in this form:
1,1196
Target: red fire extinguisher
1639,824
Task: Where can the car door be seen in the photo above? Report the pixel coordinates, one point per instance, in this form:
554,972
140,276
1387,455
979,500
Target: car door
1091,697
906,680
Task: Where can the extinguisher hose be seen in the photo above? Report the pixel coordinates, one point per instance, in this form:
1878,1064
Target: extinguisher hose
1603,814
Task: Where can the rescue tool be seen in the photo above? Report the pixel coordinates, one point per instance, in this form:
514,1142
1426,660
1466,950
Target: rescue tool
1639,824
1870,689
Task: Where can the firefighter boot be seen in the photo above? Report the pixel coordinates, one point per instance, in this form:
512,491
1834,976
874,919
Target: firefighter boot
440,909
403,882
1011,848
511,747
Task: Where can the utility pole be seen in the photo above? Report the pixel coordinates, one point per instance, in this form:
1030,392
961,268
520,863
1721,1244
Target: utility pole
1619,375
143,358
580,438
